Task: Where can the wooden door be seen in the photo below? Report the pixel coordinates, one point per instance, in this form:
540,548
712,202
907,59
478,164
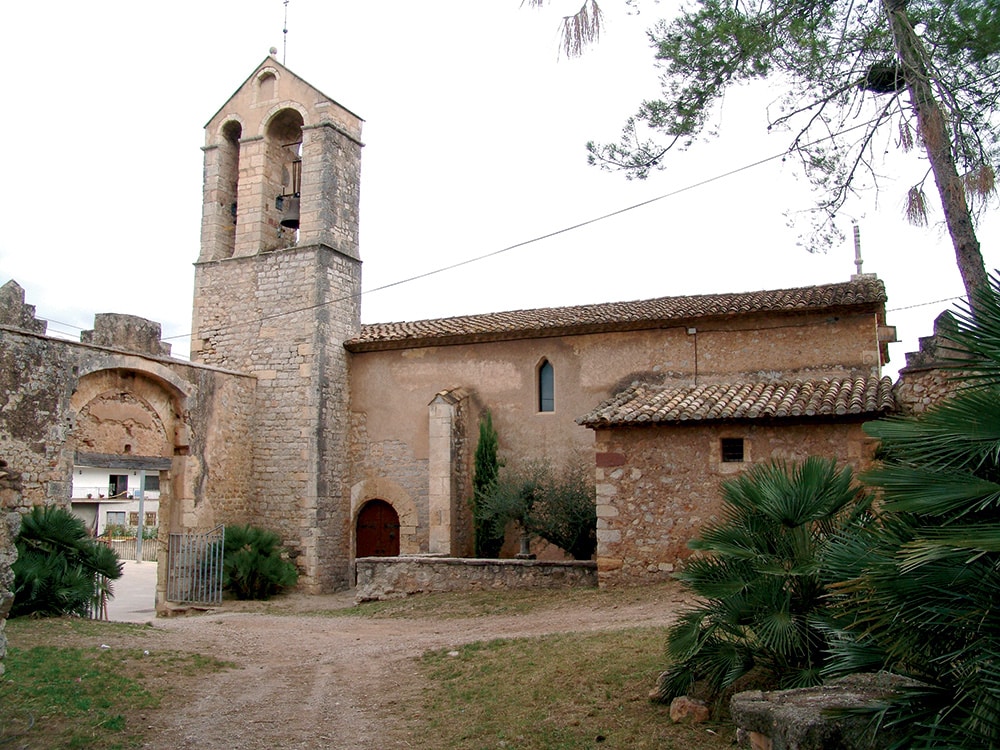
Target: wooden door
378,530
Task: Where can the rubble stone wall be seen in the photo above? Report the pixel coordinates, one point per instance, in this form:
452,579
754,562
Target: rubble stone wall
395,577
658,486
10,521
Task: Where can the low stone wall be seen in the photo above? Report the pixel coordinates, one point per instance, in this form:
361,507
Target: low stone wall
396,577
10,521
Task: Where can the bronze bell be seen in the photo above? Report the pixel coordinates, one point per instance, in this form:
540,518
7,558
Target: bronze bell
290,205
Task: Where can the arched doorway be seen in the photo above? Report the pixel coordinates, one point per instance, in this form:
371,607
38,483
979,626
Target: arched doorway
378,530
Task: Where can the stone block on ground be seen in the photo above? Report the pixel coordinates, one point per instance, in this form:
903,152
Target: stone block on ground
812,718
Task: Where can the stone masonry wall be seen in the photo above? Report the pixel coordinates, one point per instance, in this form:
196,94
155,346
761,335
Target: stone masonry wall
283,317
658,486
395,577
929,376
61,396
10,520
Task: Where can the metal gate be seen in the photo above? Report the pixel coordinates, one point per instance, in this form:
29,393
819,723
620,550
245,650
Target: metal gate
194,567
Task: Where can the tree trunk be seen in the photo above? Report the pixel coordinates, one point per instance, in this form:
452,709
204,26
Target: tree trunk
934,133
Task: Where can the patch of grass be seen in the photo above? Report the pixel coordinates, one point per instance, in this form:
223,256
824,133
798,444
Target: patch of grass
82,696
561,692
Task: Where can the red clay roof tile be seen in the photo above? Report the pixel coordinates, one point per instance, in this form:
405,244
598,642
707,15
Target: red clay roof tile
646,403
611,316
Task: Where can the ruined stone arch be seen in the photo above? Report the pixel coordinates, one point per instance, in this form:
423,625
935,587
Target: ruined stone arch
128,406
380,488
118,409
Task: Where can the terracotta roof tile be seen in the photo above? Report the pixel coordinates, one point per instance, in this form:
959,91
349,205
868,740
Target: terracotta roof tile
554,321
645,403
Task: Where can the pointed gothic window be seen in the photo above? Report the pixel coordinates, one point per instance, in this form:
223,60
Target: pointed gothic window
546,387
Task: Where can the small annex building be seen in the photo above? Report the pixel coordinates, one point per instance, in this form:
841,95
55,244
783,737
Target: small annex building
353,440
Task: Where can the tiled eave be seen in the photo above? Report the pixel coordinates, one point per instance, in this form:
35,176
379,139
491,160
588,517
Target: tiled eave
647,404
862,295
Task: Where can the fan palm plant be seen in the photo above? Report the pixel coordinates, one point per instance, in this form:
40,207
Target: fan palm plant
762,607
919,588
60,569
255,565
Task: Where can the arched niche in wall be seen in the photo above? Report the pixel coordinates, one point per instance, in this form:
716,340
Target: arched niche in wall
267,85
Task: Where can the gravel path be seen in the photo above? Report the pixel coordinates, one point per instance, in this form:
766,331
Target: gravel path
308,681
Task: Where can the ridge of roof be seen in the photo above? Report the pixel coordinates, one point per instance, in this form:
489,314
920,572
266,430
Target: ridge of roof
649,403
551,321
272,61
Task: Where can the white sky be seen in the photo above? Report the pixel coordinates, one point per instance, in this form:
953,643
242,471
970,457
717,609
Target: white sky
474,139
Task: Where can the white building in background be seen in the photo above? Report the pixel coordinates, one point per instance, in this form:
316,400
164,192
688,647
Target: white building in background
113,490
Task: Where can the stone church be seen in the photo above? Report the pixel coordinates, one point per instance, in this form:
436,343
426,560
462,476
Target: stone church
355,440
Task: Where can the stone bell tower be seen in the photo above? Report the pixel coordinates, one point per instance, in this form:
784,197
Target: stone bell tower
276,294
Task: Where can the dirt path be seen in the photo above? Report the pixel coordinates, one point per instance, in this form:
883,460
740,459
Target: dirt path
308,681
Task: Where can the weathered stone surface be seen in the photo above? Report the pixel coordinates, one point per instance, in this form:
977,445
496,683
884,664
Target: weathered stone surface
929,376
10,521
689,710
13,311
807,718
396,577
128,332
668,488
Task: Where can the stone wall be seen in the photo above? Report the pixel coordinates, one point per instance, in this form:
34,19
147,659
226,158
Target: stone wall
10,520
929,375
62,397
391,388
282,317
657,486
394,577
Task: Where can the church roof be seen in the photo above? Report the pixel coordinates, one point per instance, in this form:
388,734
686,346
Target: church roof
646,403
866,291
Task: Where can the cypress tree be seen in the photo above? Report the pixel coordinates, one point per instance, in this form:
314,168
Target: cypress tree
487,543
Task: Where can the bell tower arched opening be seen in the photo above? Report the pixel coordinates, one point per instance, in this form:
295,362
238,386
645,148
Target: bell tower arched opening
282,179
229,178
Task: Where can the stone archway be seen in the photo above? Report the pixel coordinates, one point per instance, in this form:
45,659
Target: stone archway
127,424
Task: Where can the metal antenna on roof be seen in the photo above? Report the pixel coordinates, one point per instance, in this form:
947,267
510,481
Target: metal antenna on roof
857,248
284,32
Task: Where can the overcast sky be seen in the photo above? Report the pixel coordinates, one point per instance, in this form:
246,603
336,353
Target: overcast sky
474,134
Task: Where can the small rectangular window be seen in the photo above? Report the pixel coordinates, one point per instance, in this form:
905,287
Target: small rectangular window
150,519
732,450
116,518
153,482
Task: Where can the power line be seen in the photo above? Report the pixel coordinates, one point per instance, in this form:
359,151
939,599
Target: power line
926,304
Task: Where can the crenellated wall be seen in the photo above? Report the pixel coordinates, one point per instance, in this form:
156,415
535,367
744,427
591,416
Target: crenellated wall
61,397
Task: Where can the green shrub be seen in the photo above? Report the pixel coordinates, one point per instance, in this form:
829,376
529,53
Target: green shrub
486,538
255,566
60,569
558,507
762,607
